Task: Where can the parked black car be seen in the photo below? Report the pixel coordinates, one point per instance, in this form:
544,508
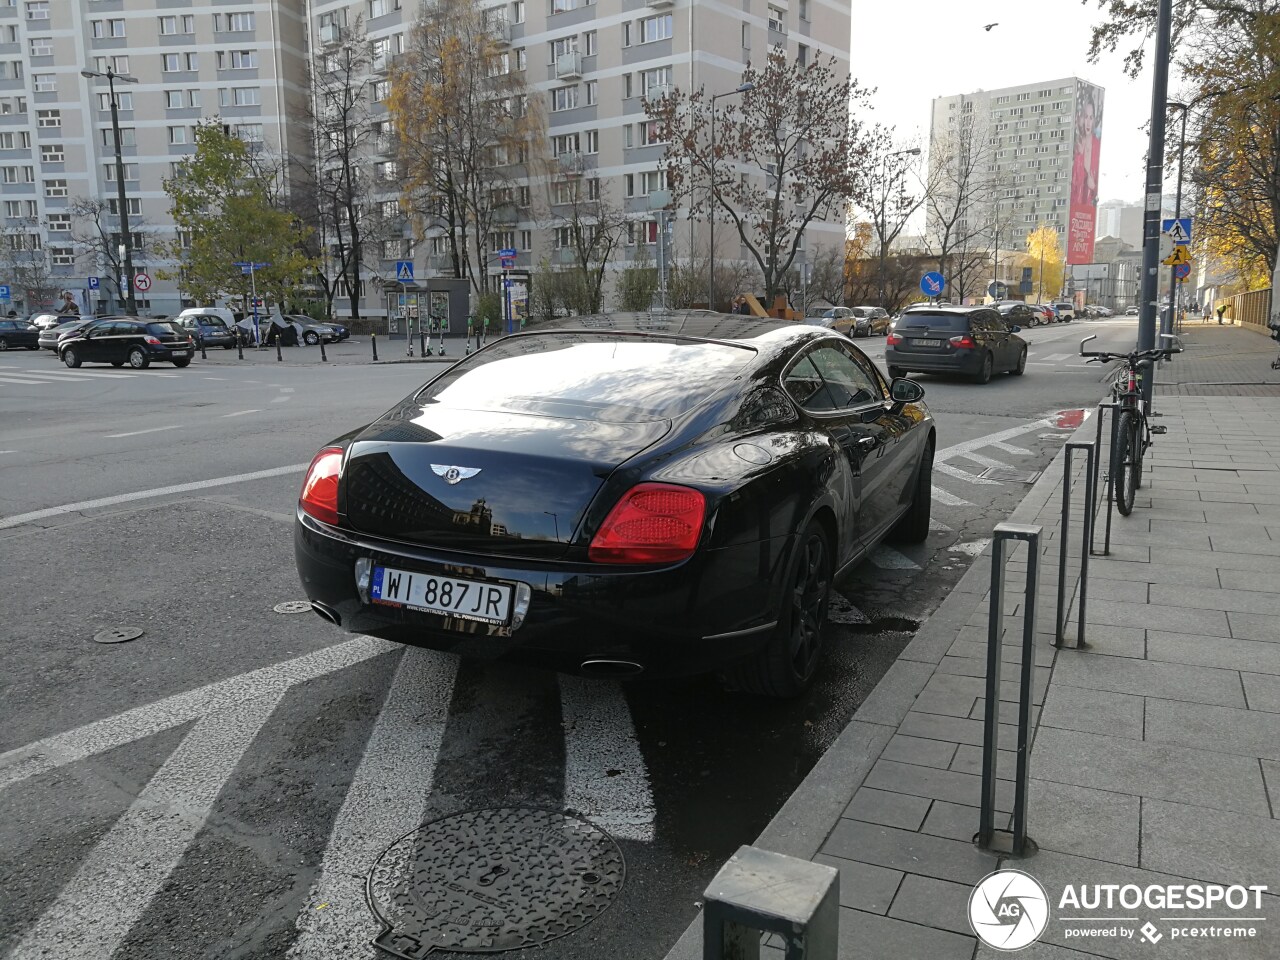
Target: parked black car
132,340
973,341
615,494
208,330
19,333
1019,314
870,321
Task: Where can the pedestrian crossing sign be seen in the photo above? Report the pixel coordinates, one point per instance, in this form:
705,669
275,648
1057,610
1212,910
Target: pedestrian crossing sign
404,271
1179,256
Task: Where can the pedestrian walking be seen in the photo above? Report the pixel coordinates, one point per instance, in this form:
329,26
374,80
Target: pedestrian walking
1222,308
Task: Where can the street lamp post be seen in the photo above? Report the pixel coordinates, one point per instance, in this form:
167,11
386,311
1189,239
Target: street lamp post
711,259
884,198
126,240
1166,325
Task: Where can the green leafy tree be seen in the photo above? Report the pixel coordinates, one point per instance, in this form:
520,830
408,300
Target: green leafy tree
225,203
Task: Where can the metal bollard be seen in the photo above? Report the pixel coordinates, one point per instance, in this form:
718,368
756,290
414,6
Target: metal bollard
239,345
1113,406
1060,625
759,891
373,339
422,341
203,355
986,837
323,358
279,355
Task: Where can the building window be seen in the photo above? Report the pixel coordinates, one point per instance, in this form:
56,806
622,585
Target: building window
44,82
517,12
802,57
592,95
564,144
387,171
651,133
55,188
51,153
232,22
562,46
657,28
177,135
172,63
59,223
804,9
563,6
777,20
626,86
237,59
564,98
130,172
40,47
626,135
63,256
746,35
124,100
653,82
249,132
381,90
10,68
173,99
101,29
48,118
392,249
37,10
240,97
168,26
590,43
592,141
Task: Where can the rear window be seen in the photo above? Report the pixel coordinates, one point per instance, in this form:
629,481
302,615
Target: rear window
934,321
211,322
159,329
585,376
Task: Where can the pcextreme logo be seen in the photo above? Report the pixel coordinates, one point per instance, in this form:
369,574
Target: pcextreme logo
1009,910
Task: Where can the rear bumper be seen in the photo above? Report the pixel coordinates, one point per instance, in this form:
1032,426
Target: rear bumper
956,361
717,607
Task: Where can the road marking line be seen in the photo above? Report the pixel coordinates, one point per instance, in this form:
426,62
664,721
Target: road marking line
1010,448
227,695
280,399
223,379
984,461
386,799
240,413
948,499
127,868
21,518
887,558
138,433
972,548
955,449
937,526
29,383
67,373
605,777
959,474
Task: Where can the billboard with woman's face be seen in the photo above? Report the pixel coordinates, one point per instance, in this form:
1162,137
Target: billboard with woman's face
1086,149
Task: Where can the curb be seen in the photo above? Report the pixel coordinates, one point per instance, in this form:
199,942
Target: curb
805,820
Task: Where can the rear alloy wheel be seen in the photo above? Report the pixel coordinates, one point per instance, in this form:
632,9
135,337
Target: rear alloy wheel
311,338
787,664
138,358
4,344
896,372
984,376
914,525
70,357
1022,363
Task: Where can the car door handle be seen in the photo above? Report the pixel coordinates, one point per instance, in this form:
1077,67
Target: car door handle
866,443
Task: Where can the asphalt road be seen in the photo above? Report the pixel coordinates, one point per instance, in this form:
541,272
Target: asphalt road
222,785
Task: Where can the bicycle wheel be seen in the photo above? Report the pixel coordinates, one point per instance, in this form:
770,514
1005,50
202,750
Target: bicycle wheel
1125,463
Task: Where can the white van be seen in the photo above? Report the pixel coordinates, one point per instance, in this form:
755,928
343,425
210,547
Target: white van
222,313
1066,310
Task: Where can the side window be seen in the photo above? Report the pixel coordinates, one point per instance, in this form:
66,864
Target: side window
872,374
847,382
805,385
978,323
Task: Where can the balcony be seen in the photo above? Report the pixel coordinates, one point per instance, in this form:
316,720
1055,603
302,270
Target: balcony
565,255
500,31
569,66
660,4
330,33
657,91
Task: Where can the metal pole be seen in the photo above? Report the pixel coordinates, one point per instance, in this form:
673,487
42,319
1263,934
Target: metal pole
253,292
125,239
711,212
1154,193
991,711
1177,213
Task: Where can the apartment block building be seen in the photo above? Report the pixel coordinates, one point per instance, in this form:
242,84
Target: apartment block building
246,64
1035,150
242,62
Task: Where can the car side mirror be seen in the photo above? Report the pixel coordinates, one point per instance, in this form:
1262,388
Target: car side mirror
1015,329
903,390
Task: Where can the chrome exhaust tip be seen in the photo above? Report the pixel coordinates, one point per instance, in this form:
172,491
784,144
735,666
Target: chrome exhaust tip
327,612
617,669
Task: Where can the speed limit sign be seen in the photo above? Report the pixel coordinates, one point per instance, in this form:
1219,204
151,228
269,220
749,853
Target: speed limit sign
142,283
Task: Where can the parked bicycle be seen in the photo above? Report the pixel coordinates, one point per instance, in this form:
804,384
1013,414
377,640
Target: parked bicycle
1132,432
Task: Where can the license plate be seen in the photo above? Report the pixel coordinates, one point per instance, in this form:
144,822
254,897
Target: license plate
927,343
427,593
182,353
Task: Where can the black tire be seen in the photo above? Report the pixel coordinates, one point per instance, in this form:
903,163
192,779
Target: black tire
70,357
310,338
228,346
4,344
34,346
988,365
914,525
786,665
138,358
896,372
1022,363
1126,462
117,363
182,363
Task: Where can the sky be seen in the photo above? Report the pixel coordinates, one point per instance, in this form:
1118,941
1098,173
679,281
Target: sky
916,50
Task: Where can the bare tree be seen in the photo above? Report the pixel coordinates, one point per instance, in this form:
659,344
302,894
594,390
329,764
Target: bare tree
826,276
25,263
795,122
95,230
959,196
467,128
587,227
891,202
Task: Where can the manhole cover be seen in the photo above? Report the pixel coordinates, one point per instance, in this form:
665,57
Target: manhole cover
485,881
117,635
293,606
1010,476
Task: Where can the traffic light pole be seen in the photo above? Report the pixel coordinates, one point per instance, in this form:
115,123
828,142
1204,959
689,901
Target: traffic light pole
1149,306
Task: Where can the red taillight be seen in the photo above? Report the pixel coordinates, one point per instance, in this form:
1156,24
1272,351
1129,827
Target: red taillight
892,340
152,340
319,497
652,523
963,341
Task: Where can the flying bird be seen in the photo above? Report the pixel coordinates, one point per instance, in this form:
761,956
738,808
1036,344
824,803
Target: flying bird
989,26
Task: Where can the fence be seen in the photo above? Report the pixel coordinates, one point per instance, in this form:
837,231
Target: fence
1248,308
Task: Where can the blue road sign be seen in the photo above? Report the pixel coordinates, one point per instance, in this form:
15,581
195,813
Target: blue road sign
931,284
4,291
1025,286
506,284
1179,230
93,283
997,289
404,271
507,253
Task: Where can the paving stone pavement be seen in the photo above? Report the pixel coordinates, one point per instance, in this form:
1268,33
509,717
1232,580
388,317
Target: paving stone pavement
1156,756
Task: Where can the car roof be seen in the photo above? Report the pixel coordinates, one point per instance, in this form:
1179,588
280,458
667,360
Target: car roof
767,335
962,309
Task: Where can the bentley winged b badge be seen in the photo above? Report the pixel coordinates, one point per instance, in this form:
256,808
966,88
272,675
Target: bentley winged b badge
453,474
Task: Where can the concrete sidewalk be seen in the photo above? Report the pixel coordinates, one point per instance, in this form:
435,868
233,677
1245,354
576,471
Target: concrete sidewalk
1156,757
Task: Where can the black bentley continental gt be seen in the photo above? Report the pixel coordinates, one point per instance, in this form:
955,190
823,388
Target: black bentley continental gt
622,493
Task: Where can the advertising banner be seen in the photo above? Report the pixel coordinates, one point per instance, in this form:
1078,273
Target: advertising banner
1086,149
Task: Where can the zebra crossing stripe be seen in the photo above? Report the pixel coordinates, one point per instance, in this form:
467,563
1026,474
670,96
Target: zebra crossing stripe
605,778
29,383
385,801
948,499
959,474
1010,448
118,880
